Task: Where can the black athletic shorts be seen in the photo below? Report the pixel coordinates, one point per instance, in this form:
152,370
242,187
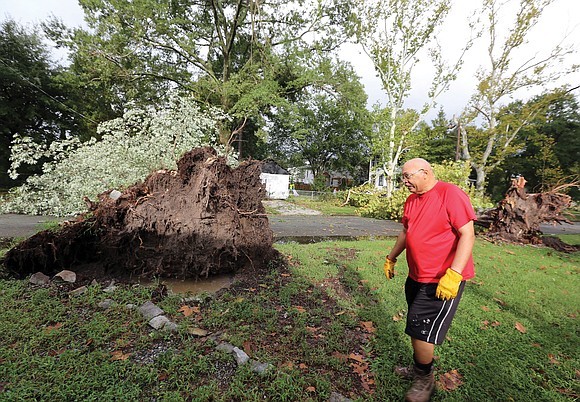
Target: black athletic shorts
429,318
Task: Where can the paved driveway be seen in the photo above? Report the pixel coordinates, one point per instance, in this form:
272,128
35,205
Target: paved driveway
13,225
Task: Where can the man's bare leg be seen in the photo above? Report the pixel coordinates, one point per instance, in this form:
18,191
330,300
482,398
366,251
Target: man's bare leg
424,351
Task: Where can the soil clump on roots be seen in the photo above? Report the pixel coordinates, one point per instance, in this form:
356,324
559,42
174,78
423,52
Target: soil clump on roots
203,219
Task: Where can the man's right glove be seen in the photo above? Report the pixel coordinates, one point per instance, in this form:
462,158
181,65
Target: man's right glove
389,268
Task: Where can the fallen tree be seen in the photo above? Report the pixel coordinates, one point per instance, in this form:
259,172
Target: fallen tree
202,219
518,216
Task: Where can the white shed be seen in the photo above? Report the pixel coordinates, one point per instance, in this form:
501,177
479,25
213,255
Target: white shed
276,179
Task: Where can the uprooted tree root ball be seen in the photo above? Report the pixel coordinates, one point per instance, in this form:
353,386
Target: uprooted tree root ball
518,216
203,219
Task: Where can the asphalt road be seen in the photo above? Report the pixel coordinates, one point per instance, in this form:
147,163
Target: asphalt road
283,226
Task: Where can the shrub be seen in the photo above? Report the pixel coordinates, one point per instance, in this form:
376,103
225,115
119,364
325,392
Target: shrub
131,147
374,203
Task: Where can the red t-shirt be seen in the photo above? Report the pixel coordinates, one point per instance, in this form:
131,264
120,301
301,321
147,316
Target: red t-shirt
432,221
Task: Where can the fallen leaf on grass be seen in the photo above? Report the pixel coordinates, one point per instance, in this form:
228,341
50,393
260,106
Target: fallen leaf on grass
249,347
119,355
485,308
300,309
366,384
186,310
553,359
311,389
356,357
399,316
495,324
450,381
520,328
288,364
368,326
360,369
53,327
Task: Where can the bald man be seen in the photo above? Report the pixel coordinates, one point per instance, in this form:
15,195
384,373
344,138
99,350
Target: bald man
438,238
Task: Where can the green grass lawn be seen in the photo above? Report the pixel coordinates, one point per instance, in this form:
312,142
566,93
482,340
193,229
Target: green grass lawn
327,321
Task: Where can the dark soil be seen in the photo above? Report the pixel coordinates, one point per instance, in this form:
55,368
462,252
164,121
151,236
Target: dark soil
203,219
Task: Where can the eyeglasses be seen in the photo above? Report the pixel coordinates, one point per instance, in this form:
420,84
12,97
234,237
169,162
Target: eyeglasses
407,176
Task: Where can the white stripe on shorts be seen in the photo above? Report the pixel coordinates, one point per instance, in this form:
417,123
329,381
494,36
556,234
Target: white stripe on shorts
442,321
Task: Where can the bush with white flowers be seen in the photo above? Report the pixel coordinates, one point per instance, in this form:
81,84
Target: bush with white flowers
142,141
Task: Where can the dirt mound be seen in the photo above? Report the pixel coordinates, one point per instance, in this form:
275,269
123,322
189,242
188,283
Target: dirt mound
205,218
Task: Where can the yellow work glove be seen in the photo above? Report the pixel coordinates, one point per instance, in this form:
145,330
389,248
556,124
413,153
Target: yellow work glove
389,268
448,285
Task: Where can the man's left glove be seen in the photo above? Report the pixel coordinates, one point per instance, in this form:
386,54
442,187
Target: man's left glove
389,268
448,285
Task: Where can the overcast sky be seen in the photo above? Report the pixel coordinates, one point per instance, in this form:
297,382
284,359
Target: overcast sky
559,19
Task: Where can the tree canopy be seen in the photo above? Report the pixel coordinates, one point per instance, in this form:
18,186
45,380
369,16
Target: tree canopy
488,142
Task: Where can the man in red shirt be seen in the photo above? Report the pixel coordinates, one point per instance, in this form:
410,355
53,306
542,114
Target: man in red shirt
438,237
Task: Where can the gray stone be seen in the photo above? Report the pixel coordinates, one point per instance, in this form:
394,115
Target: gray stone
336,397
225,347
115,194
150,310
196,331
105,304
170,326
162,322
131,306
260,368
39,279
78,291
158,322
240,356
67,276
111,288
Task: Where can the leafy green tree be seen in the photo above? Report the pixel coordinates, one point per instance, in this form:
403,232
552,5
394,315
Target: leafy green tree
487,140
31,102
551,150
394,34
327,128
440,140
228,53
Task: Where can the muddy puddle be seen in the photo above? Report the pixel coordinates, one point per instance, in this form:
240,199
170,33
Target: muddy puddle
191,286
